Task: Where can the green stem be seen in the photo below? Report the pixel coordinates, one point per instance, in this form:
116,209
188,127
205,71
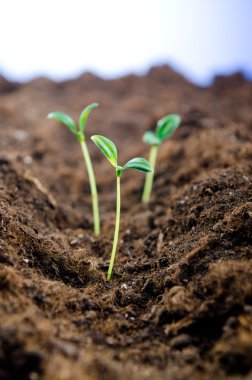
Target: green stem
117,225
92,187
149,176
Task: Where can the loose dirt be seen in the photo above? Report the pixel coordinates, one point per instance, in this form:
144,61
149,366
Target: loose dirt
179,305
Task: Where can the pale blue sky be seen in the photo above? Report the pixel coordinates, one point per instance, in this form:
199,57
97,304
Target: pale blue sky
61,38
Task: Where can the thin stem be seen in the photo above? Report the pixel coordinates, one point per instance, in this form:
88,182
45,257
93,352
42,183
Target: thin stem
117,225
149,176
92,187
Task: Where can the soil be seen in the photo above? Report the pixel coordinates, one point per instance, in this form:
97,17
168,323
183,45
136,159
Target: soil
179,305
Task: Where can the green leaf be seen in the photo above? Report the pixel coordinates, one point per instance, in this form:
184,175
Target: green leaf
166,126
84,115
65,119
150,138
107,147
139,163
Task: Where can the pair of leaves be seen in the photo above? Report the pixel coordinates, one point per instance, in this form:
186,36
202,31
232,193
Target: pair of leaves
164,129
68,121
109,150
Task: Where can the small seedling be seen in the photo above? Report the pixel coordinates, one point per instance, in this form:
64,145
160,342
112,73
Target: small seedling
79,133
109,150
164,129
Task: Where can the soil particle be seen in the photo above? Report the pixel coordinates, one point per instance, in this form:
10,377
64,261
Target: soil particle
181,341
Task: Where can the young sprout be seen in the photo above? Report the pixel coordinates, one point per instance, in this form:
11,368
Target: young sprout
79,132
164,129
109,150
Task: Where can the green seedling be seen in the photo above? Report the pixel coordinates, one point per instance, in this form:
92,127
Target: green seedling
79,132
109,150
164,129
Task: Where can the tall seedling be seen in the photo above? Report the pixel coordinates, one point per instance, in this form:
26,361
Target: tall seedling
79,132
108,148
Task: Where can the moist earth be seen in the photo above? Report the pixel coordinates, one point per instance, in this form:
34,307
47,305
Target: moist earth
179,304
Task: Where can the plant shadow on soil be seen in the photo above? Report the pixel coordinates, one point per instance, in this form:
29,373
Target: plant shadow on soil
179,305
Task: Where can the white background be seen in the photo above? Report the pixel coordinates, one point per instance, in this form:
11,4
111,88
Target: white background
61,38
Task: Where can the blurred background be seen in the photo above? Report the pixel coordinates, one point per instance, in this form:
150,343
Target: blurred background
61,39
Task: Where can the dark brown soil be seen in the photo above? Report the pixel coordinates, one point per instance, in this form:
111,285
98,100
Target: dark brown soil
179,305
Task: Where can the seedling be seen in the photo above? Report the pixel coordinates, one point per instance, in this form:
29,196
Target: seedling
79,133
164,129
109,150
